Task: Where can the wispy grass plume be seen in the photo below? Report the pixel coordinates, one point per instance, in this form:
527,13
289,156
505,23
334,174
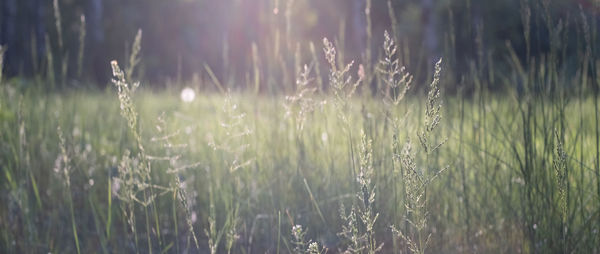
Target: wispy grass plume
359,225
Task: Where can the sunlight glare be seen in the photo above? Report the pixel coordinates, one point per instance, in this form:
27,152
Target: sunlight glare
188,94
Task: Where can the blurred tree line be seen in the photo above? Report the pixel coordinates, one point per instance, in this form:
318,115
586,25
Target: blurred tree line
181,36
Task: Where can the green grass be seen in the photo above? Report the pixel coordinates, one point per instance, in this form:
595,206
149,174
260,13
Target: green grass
301,177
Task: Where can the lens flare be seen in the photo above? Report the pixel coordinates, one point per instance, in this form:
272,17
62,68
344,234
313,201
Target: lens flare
188,94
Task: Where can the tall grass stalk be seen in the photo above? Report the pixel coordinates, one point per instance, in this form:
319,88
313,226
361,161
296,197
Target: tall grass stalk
433,115
50,71
343,88
237,159
359,224
82,33
317,66
63,53
2,50
416,179
175,169
560,170
393,20
214,237
369,50
134,58
58,24
134,174
66,174
256,66
300,105
397,82
394,76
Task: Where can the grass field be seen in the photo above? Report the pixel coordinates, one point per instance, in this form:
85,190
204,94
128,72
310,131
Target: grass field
367,160
249,173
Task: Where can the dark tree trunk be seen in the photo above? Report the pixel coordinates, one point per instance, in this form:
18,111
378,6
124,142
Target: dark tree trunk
94,19
95,41
430,36
8,35
39,29
32,42
359,25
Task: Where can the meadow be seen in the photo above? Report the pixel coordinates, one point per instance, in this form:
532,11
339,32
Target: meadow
500,160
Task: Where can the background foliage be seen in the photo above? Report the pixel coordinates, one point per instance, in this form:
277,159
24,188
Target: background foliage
180,36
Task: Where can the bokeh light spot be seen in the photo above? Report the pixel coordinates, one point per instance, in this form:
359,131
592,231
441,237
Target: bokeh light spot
188,94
